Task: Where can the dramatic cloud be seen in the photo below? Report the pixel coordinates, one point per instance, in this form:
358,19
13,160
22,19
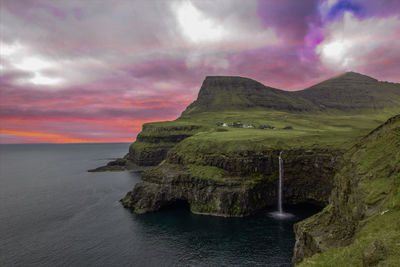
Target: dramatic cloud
349,43
96,70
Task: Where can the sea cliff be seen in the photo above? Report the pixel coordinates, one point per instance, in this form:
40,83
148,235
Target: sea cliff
234,184
360,226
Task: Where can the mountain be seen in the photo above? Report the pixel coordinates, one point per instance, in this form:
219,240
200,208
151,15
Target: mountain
219,93
348,92
352,91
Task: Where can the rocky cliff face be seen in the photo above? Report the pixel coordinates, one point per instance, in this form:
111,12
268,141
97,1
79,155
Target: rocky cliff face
234,184
153,143
151,146
360,226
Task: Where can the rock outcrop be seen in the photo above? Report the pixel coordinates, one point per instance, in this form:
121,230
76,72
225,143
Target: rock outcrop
234,184
151,146
360,226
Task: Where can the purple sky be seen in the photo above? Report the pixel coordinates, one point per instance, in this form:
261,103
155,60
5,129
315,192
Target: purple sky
95,70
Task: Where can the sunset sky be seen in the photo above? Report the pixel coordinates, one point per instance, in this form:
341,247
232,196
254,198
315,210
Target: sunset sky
96,70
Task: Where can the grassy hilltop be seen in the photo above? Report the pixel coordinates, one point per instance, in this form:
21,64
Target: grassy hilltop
329,115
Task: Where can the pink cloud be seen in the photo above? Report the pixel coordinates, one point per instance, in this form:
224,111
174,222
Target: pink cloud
124,63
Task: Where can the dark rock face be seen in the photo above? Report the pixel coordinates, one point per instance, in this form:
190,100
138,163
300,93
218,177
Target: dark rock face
170,183
249,183
150,148
153,143
308,175
150,156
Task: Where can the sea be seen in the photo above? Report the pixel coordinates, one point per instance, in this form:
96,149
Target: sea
55,213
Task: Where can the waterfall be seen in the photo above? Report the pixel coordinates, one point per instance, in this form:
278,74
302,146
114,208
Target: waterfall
279,214
280,209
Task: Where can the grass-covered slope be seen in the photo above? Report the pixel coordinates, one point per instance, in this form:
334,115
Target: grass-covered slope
222,93
308,130
347,92
352,91
361,225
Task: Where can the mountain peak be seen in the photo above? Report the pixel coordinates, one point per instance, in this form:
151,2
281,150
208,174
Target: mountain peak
227,81
219,93
354,77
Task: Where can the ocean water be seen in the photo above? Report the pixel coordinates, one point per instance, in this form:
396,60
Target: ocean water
55,213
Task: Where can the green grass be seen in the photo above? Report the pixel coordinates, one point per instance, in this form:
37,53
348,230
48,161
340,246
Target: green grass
385,228
207,172
320,130
375,164
309,130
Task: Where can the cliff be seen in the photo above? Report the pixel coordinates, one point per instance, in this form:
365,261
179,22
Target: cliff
151,145
234,184
360,226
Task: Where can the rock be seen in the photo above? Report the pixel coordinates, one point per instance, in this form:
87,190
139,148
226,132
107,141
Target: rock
374,253
117,162
243,182
166,185
151,147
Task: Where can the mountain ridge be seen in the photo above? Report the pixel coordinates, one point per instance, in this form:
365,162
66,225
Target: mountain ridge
345,92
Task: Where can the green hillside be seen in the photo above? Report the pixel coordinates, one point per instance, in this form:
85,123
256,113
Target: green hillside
331,114
221,93
348,92
353,91
360,226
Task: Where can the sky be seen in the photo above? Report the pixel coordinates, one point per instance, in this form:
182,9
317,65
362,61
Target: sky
96,70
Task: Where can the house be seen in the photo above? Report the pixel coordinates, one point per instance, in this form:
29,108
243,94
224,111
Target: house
237,124
265,127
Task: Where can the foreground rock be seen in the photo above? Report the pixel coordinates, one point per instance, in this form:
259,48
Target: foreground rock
360,226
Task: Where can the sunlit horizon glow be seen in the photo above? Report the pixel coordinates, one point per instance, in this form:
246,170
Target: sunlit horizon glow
71,71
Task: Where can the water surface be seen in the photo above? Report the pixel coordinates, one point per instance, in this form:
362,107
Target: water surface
55,213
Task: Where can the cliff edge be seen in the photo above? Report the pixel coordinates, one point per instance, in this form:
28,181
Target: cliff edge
360,226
